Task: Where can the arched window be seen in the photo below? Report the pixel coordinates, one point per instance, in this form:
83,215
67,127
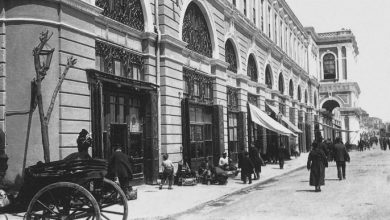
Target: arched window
281,83
127,12
230,56
268,77
291,89
306,97
315,99
196,32
299,94
252,70
329,61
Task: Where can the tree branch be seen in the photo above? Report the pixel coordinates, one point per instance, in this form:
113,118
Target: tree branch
70,63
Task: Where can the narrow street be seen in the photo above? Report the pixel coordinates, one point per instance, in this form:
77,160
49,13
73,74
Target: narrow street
363,195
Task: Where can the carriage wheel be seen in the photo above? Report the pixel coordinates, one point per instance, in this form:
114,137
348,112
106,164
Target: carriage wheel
111,199
63,200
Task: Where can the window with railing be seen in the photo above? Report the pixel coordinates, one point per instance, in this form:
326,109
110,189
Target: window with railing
198,87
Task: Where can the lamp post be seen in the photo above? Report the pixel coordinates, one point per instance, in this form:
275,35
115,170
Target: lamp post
42,60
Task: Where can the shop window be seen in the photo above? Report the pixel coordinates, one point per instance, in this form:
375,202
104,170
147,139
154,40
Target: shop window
200,132
329,61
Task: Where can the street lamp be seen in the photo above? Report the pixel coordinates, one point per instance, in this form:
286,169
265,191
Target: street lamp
44,58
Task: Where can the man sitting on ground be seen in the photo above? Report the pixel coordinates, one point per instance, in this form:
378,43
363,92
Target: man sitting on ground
226,164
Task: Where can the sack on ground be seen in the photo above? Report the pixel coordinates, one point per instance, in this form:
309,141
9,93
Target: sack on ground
131,194
4,201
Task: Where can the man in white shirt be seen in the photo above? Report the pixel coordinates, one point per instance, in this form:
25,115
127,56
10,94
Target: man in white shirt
224,161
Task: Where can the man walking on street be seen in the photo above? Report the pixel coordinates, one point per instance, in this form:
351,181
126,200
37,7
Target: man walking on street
340,156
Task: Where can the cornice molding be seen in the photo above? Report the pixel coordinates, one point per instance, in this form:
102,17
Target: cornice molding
81,6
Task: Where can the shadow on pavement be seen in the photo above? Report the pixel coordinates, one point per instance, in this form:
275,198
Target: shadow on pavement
332,180
305,190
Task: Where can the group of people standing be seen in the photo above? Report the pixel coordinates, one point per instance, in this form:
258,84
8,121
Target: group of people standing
323,152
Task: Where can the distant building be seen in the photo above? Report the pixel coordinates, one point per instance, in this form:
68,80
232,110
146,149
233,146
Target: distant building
337,51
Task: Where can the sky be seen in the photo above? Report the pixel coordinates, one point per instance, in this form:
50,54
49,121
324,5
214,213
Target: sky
369,21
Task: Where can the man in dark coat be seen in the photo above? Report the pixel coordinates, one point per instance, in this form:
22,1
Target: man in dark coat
256,159
340,156
281,153
119,168
316,163
246,168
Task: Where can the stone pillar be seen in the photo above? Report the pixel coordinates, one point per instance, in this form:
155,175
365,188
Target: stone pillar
340,72
218,68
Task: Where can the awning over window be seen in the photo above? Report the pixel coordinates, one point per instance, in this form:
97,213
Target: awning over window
285,120
261,118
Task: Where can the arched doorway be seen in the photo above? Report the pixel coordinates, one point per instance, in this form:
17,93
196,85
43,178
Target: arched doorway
330,105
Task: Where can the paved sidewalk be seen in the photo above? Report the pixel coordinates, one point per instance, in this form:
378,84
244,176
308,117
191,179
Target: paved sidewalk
153,203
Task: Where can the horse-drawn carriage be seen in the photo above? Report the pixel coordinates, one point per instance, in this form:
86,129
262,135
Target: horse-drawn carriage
70,189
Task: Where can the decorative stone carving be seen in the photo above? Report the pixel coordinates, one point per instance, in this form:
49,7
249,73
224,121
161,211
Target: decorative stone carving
196,32
128,12
232,94
199,87
110,53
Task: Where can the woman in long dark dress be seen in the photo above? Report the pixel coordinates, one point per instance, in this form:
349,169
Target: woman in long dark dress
316,163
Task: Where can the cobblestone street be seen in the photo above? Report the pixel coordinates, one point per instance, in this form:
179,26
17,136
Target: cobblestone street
363,195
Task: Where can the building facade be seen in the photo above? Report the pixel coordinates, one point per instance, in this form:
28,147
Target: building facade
338,90
160,77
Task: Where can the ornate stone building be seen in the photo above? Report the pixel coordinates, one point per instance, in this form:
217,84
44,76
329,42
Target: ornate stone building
338,91
173,79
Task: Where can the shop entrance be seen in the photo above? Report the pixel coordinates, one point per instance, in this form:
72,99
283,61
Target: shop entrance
125,113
